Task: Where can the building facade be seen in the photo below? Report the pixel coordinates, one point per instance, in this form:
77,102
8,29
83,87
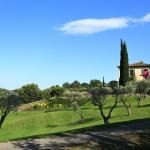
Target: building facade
139,71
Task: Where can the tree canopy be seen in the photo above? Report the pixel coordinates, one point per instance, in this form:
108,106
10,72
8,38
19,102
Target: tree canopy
8,101
29,93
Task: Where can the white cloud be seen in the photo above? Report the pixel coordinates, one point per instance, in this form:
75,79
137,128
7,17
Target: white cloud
146,18
91,26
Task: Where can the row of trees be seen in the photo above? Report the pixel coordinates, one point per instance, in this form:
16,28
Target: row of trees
124,94
31,92
99,95
78,86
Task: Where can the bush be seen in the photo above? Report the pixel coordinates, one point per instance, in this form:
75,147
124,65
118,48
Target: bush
142,87
113,84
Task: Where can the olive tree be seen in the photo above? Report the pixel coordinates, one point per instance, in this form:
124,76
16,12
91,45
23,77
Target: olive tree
77,100
124,94
99,98
8,102
141,90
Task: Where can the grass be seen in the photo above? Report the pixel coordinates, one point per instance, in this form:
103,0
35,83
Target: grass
21,125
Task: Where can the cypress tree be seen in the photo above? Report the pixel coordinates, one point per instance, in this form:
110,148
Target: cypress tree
103,81
121,52
124,66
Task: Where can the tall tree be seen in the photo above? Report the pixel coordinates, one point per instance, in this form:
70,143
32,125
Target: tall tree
66,85
124,66
29,93
103,81
95,83
75,84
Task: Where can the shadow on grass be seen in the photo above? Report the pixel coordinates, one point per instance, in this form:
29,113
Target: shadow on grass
73,140
100,127
119,116
53,126
119,106
86,120
148,105
68,109
55,109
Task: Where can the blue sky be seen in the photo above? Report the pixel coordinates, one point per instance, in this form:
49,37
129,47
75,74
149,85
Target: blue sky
53,41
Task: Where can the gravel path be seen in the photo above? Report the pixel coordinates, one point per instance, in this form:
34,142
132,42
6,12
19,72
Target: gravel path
129,136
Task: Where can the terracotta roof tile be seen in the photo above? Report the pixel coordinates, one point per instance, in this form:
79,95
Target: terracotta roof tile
139,64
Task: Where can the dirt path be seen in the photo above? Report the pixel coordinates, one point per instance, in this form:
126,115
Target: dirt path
129,136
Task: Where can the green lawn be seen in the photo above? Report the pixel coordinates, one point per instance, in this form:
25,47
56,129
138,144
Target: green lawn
35,123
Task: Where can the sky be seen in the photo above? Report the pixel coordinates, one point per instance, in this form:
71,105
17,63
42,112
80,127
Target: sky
50,42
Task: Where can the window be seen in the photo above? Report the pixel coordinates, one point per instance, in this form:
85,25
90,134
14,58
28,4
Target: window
132,73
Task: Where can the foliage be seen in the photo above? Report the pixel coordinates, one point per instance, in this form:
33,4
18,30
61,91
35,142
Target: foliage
29,93
141,90
75,84
148,91
124,66
46,94
8,101
66,85
77,100
53,96
85,85
142,87
124,94
56,91
95,83
57,101
113,84
99,98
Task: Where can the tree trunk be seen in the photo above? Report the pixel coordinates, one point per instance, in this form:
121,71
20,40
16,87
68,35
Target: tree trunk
138,103
81,117
105,119
127,107
129,111
106,122
3,118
